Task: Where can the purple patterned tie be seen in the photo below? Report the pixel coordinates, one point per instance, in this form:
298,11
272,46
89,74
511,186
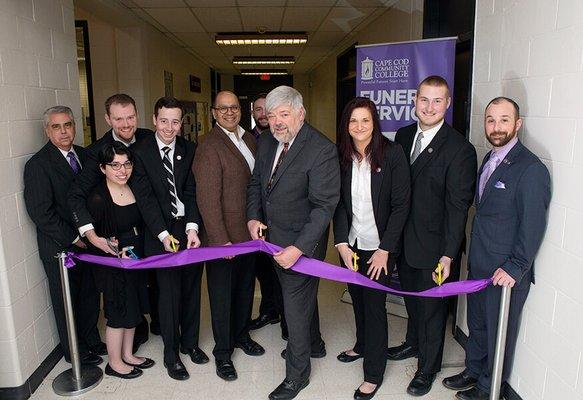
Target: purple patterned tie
490,166
73,162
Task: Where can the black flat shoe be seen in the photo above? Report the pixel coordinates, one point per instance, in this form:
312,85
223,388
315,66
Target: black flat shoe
226,370
346,358
134,373
472,394
148,363
358,395
177,371
196,355
263,320
421,384
99,349
402,352
461,381
288,389
251,348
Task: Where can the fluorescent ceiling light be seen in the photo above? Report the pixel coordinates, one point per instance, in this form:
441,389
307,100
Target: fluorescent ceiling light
260,60
264,72
252,38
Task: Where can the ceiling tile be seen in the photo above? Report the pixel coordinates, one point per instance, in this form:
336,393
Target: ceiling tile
330,39
345,19
224,19
268,17
211,3
303,18
366,3
316,51
176,19
196,39
148,18
311,3
159,3
261,3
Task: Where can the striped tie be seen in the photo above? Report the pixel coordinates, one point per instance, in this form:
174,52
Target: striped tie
170,178
277,164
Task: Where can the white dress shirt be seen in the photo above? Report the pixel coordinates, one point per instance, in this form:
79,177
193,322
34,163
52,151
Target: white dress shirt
241,145
279,150
363,228
117,139
428,136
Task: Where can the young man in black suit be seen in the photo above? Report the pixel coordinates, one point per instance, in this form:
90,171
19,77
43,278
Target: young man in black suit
443,176
164,187
47,178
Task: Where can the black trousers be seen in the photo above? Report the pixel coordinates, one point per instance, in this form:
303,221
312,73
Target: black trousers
242,288
370,316
427,317
179,302
483,309
300,298
85,299
267,283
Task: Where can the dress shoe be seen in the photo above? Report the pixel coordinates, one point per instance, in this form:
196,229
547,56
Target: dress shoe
88,359
472,394
421,384
288,389
148,363
314,354
177,370
461,381
226,370
401,352
99,349
251,348
134,373
262,320
358,395
346,358
196,355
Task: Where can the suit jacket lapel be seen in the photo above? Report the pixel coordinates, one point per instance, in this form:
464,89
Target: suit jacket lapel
408,143
292,153
178,163
347,189
500,171
60,162
428,153
376,181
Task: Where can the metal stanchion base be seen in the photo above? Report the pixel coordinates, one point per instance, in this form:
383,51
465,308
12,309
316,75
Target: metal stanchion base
66,385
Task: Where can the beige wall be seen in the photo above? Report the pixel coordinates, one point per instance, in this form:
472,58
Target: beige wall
403,21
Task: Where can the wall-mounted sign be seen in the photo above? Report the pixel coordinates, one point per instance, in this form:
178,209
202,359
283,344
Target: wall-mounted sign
194,83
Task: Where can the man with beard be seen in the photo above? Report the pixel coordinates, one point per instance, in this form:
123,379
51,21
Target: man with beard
443,175
512,200
293,193
271,306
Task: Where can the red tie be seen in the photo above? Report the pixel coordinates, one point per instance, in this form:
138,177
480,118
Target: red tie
279,161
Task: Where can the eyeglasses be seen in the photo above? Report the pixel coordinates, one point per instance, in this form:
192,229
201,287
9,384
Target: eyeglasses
117,166
225,109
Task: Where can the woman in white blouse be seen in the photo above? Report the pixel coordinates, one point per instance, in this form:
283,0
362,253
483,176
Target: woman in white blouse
372,211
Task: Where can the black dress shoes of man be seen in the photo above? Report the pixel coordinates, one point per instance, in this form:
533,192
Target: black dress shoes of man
472,394
346,358
88,359
421,384
99,349
196,355
461,381
177,370
358,395
251,348
318,353
148,363
263,320
226,370
134,373
402,352
288,389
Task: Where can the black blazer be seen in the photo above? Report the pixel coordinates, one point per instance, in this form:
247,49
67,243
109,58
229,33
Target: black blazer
91,175
443,178
304,193
152,191
47,179
390,191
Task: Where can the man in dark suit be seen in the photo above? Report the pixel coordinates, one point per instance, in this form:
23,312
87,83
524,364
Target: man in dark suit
47,177
165,191
121,115
293,192
512,200
443,175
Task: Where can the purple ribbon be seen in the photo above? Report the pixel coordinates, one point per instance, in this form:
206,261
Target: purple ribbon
304,265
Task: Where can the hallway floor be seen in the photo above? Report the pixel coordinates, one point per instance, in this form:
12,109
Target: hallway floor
258,376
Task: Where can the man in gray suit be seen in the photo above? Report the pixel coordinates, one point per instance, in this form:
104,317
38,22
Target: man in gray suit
293,193
512,200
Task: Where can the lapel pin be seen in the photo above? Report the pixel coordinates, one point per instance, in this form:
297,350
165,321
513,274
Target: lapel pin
378,170
179,158
430,150
505,161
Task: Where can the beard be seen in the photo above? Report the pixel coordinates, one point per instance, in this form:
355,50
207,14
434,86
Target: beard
500,138
262,123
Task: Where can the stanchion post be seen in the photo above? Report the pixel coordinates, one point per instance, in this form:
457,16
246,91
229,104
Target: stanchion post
79,379
498,365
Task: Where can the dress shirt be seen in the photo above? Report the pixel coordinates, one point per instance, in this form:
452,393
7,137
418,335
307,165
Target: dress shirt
279,150
179,204
241,145
117,139
363,228
428,136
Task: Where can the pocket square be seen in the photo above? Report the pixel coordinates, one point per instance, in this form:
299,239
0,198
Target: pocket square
500,185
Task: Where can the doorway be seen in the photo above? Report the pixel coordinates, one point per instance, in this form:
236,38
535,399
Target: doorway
85,82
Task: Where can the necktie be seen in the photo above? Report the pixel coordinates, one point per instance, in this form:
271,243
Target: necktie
417,148
170,178
73,162
489,168
279,161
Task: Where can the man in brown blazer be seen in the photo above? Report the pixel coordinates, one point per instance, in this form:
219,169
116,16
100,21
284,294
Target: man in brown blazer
222,167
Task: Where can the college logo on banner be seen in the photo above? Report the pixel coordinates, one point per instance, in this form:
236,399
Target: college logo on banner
388,74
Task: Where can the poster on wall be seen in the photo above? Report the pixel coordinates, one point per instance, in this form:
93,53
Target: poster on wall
168,84
389,73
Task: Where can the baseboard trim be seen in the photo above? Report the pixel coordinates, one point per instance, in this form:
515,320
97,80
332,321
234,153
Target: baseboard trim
26,390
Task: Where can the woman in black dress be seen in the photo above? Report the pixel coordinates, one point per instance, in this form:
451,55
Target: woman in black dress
125,296
369,219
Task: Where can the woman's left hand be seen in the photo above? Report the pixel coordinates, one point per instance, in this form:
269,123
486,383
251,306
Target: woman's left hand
377,264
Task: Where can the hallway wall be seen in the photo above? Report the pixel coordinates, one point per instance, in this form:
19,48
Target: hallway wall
531,50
